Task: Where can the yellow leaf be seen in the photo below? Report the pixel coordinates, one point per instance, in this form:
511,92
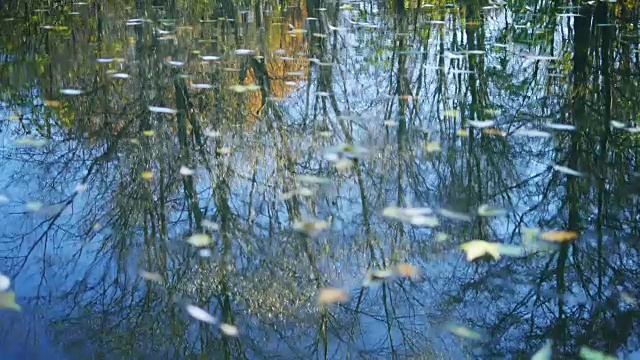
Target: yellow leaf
480,248
432,146
147,175
52,103
8,301
559,235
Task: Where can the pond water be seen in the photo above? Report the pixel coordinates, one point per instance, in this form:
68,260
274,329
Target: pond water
319,180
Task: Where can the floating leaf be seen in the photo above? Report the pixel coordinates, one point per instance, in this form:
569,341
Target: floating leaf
244,52
432,146
186,171
199,240
312,227
554,126
52,103
545,352
148,133
313,179
559,235
377,276
8,301
229,330
332,295
244,88
487,210
5,282
454,215
587,353
210,225
566,170
479,248
481,124
201,86
151,276
162,110
146,175
200,314
463,332
71,92
407,271
34,206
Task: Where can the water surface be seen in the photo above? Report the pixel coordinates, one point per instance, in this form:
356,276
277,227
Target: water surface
289,137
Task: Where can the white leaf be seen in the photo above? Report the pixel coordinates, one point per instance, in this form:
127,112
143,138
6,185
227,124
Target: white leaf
5,282
229,330
200,314
566,170
162,110
199,240
186,171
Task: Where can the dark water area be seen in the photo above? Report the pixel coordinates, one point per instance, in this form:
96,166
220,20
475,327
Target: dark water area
319,180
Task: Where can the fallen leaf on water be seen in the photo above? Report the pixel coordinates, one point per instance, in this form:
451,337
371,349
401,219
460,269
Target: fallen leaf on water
453,215
566,170
432,146
464,332
559,235
209,225
488,210
407,271
146,175
199,240
545,352
52,103
5,282
587,353
311,227
481,124
34,206
479,248
8,301
374,277
162,110
200,314
332,295
229,330
185,171
71,92
151,276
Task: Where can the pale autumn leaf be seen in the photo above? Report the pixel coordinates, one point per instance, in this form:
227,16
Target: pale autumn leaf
229,330
8,301
5,282
199,240
332,295
200,314
545,352
479,248
559,235
407,271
